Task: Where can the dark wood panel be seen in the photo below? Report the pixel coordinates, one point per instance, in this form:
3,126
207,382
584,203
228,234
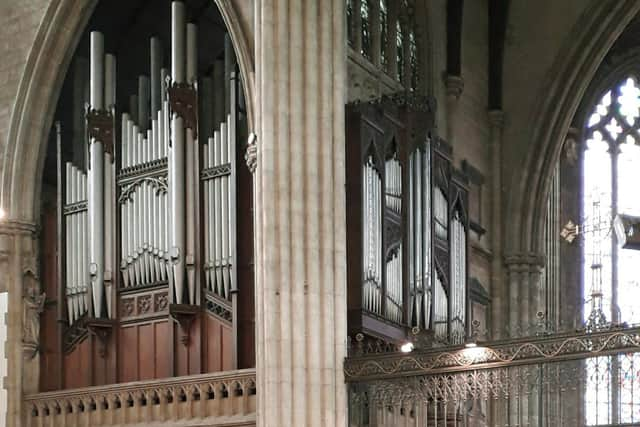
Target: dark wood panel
194,347
51,377
213,340
225,347
129,355
77,365
181,353
162,359
146,356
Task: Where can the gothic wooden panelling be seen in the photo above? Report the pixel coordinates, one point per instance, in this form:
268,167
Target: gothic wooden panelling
218,343
77,369
49,340
188,356
147,349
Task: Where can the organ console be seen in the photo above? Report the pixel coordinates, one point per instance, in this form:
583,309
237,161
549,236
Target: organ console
407,245
149,218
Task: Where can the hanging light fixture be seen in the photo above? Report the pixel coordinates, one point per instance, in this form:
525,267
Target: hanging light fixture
627,230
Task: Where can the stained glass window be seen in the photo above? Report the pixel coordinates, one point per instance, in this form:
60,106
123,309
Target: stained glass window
400,50
350,22
365,14
413,59
384,33
611,281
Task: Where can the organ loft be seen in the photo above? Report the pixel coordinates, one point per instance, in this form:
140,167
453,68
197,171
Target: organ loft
363,213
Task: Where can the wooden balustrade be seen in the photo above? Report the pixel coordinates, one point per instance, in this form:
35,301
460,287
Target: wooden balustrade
219,399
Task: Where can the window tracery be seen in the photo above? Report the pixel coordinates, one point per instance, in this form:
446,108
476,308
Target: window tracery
611,285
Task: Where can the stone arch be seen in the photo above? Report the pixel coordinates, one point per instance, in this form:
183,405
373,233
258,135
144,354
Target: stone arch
567,82
37,96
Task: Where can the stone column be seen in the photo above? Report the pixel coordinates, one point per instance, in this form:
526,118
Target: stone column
300,207
496,122
18,270
498,290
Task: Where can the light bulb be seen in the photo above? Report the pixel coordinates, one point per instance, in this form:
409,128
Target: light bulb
407,347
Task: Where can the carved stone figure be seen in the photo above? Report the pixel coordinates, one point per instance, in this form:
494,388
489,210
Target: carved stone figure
33,305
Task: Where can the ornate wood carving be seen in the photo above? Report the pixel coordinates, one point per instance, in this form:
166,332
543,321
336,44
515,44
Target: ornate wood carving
100,128
184,102
101,329
183,315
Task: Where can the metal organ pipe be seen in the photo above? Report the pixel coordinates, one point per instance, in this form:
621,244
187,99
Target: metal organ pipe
96,178
191,169
156,75
143,103
426,232
109,186
176,167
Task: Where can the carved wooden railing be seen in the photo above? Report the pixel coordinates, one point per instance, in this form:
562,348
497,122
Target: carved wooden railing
219,399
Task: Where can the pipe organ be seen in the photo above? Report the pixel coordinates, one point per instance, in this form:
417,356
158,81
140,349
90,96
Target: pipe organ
372,235
149,217
415,233
77,259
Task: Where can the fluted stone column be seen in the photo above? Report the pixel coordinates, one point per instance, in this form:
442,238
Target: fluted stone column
300,207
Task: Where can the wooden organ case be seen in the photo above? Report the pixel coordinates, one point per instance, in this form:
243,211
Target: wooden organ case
154,276
407,226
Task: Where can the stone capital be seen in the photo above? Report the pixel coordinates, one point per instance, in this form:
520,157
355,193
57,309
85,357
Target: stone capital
528,261
496,118
454,85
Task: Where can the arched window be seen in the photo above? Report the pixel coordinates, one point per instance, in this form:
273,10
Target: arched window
413,59
611,283
384,33
400,56
365,14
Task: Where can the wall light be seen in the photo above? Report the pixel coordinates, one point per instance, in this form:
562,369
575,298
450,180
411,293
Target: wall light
2,214
407,347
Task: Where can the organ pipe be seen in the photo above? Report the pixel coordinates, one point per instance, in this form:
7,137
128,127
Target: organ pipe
156,75
176,167
96,178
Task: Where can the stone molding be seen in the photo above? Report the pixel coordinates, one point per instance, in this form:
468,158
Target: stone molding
227,398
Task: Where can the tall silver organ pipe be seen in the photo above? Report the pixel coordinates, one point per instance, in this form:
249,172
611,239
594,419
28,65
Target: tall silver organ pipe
393,266
156,76
458,279
177,156
96,179
77,259
191,170
441,214
419,237
109,190
440,310
372,237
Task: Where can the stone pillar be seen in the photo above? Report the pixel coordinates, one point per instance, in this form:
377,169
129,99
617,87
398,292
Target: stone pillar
300,207
523,271
18,270
571,280
496,122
